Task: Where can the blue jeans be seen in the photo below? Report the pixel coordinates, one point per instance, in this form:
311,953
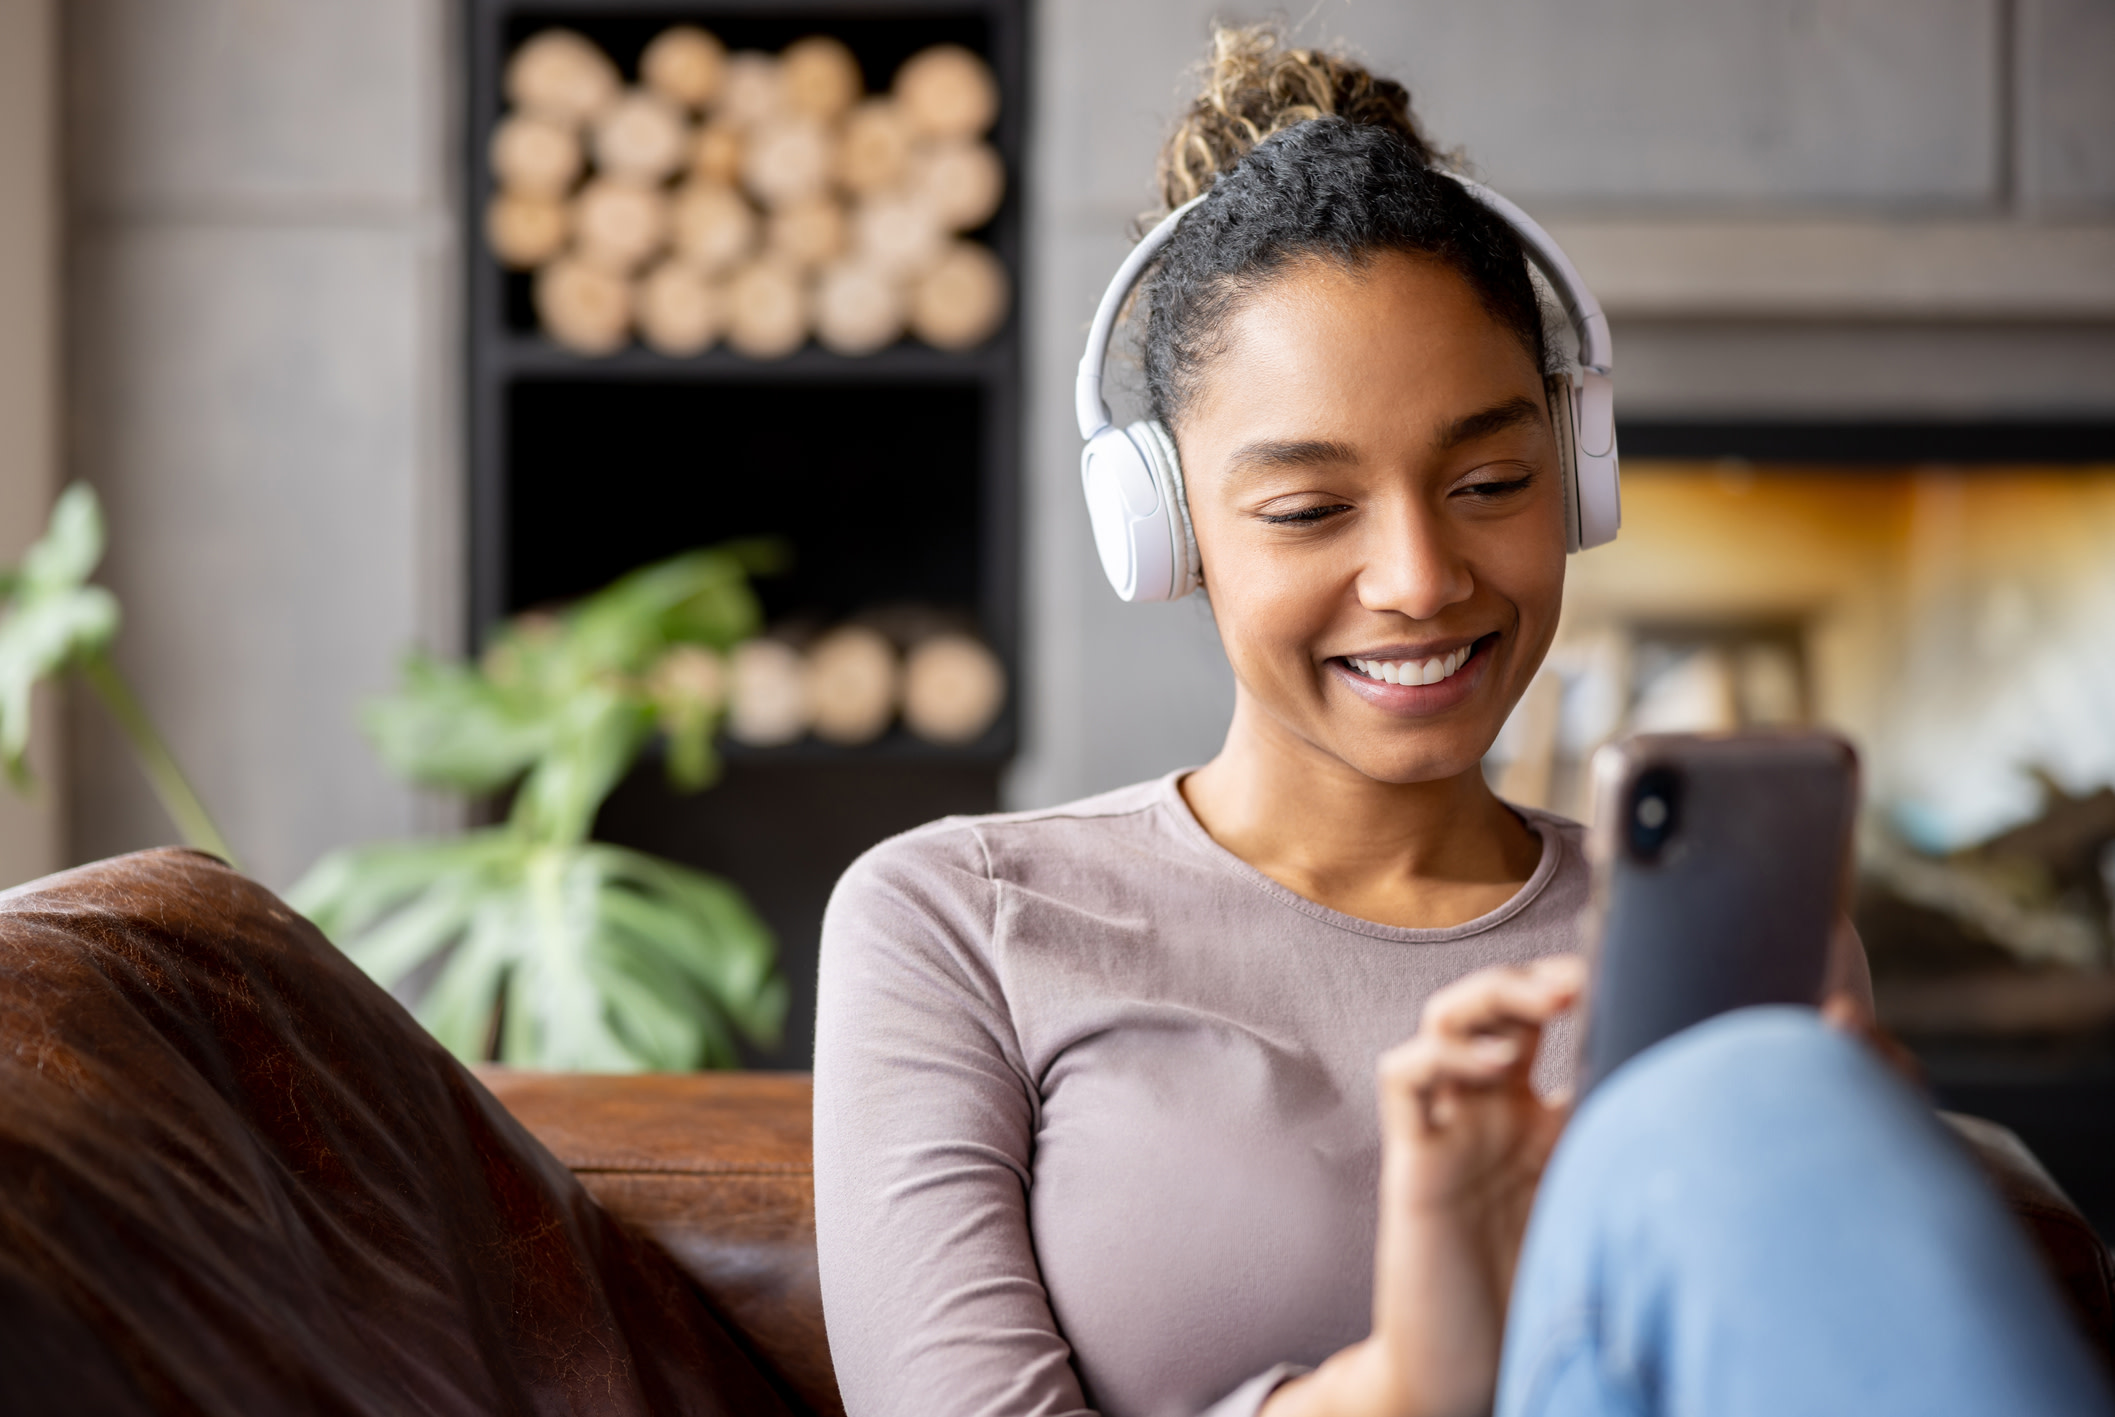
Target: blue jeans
1756,1219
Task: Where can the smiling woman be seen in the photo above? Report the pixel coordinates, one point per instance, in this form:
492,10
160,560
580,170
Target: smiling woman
1097,1122
1096,1118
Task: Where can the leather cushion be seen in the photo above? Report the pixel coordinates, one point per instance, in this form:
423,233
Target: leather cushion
717,1169
235,1176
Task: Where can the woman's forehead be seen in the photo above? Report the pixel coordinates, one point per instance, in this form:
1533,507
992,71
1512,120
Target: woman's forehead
1393,341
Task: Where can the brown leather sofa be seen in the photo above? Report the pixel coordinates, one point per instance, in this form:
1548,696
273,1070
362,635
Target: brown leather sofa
236,1178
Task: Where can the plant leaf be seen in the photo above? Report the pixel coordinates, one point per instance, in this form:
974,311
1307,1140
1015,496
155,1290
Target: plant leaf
71,547
449,726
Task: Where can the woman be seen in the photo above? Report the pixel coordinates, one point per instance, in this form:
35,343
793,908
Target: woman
1097,1122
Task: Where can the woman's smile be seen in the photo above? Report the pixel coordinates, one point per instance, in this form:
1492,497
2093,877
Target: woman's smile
1415,681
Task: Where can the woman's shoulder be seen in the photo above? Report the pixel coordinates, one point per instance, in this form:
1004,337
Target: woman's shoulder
998,845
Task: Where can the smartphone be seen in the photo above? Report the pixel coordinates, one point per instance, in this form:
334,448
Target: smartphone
1721,866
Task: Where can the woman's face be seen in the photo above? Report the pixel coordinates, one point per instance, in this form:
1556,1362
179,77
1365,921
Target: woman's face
1375,488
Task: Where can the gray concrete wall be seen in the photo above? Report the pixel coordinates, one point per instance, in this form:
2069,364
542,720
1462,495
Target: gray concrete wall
1790,207
263,388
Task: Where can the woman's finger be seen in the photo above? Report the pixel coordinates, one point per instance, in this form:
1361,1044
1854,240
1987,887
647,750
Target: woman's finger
1503,995
1417,1078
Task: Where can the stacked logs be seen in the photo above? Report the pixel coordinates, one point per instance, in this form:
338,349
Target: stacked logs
849,685
750,197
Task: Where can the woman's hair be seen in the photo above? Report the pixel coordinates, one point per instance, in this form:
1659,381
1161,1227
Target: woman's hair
1305,155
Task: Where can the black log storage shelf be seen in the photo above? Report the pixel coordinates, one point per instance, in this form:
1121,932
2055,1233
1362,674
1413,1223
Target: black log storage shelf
893,477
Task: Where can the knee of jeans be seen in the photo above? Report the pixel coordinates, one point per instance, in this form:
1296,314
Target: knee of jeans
1739,1077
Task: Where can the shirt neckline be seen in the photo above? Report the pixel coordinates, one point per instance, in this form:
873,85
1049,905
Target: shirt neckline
1170,797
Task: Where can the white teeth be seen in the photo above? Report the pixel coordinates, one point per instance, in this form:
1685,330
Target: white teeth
1411,671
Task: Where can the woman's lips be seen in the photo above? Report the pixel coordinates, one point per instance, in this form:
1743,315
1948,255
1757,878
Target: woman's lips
1458,675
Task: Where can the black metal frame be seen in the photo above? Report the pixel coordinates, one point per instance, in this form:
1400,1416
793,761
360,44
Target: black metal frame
784,821
1873,442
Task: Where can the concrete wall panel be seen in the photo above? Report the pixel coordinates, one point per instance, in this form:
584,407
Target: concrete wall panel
262,359
256,438
2067,105
192,103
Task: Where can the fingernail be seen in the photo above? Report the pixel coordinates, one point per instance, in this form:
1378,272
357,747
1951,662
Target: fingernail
1497,1050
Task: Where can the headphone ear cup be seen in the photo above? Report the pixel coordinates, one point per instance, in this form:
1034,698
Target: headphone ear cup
1159,444
1596,479
1563,422
1136,526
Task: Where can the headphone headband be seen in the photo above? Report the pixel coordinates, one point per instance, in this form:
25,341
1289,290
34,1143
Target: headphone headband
1087,398
1596,350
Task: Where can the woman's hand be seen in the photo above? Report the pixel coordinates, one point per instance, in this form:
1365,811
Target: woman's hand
1464,1140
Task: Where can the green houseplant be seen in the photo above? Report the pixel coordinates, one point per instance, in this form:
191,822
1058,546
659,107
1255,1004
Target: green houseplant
552,950
55,623
547,948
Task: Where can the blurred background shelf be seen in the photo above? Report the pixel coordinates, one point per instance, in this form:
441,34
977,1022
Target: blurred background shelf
533,356
892,478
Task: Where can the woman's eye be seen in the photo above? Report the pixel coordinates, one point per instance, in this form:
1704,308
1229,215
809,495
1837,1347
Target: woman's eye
1304,517
1498,488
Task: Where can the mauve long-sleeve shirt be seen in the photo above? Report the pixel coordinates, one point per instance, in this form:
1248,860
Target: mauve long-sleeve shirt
1095,1120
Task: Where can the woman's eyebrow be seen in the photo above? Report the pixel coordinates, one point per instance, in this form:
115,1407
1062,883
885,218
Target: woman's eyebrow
1513,413
1270,455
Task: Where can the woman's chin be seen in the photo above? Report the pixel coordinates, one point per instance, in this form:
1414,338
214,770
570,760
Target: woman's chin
1401,764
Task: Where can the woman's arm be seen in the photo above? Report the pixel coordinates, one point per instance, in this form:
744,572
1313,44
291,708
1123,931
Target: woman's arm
1464,1141
924,1124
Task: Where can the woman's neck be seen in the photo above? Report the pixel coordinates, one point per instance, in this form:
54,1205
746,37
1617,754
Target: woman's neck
1422,855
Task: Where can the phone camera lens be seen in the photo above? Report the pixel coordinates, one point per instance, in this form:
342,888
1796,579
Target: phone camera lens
1655,807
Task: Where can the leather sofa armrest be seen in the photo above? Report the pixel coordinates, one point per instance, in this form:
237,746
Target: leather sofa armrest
717,1170
2077,1257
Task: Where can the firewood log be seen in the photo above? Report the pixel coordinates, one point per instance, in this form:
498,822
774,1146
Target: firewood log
685,65
714,228
680,309
619,224
534,156
947,92
641,136
808,233
899,234
821,78
767,310
874,152
583,307
716,153
852,685
562,76
963,300
524,230
953,689
768,704
754,90
961,179
788,160
858,308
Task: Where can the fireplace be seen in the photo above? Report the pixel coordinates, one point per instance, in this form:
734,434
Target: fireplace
1957,622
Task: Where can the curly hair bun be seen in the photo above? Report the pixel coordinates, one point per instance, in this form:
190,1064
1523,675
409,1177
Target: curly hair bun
1255,86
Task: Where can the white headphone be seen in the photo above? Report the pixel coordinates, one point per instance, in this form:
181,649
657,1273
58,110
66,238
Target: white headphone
1133,478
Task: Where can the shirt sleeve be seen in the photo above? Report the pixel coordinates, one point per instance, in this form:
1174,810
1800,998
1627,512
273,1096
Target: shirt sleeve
925,1118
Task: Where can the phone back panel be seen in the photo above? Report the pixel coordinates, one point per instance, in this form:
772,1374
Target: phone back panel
1723,896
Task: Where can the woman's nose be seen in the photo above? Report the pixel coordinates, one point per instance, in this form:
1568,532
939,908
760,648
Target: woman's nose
1410,567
